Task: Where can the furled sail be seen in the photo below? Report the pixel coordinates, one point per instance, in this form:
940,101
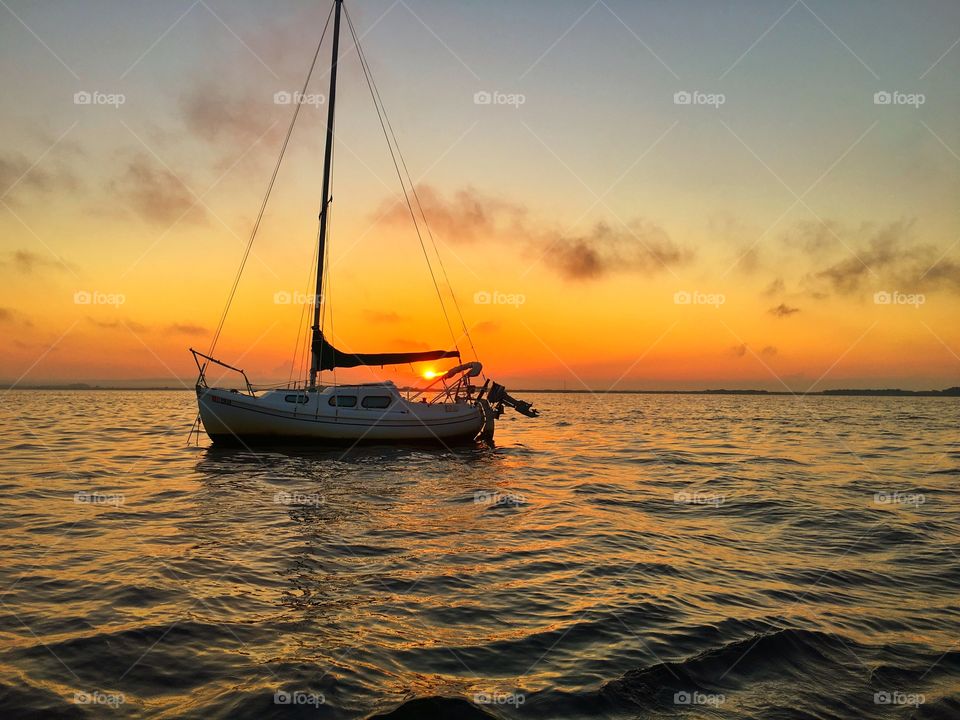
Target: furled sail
329,357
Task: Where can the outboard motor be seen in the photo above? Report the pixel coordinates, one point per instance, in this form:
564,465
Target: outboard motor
498,397
491,399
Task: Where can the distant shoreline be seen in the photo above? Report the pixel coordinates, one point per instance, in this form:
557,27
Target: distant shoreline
896,392
892,392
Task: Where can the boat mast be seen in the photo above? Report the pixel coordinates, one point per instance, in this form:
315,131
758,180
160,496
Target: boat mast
325,203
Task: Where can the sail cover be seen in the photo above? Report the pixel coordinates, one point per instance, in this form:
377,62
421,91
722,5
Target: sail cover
328,357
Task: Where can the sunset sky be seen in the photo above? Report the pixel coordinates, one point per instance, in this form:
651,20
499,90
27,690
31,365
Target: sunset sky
794,226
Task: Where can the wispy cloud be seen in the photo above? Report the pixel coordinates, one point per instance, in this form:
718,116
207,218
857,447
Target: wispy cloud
468,215
217,116
891,253
118,324
154,193
783,310
185,329
27,262
776,287
382,317
9,316
641,247
19,173
486,326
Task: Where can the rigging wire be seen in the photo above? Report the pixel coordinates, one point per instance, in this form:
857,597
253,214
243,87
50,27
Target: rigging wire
373,84
297,360
381,112
266,197
394,148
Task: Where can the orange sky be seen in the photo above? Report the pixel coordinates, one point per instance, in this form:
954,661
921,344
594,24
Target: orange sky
601,234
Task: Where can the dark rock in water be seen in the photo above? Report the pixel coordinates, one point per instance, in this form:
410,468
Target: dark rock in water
435,708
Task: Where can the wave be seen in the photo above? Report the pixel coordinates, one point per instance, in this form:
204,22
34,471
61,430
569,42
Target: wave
778,654
795,660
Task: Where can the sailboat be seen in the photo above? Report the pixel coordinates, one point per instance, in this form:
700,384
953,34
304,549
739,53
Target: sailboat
452,408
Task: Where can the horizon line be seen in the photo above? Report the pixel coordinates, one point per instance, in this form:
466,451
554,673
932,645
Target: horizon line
953,391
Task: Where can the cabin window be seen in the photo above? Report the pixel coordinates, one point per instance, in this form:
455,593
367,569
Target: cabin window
344,401
376,402
300,399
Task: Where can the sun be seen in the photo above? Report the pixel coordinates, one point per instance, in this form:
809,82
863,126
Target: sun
430,374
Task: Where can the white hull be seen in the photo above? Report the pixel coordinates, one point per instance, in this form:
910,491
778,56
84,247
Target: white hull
287,416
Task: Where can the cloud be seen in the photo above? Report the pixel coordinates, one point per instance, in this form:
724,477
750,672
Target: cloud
944,272
774,288
468,215
783,310
9,316
155,193
407,345
384,318
768,351
890,254
747,259
486,326
883,250
118,325
65,145
185,329
739,238
640,247
133,325
17,172
24,345
215,116
814,237
26,262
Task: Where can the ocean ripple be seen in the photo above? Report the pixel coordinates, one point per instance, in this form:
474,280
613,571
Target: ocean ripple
630,556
